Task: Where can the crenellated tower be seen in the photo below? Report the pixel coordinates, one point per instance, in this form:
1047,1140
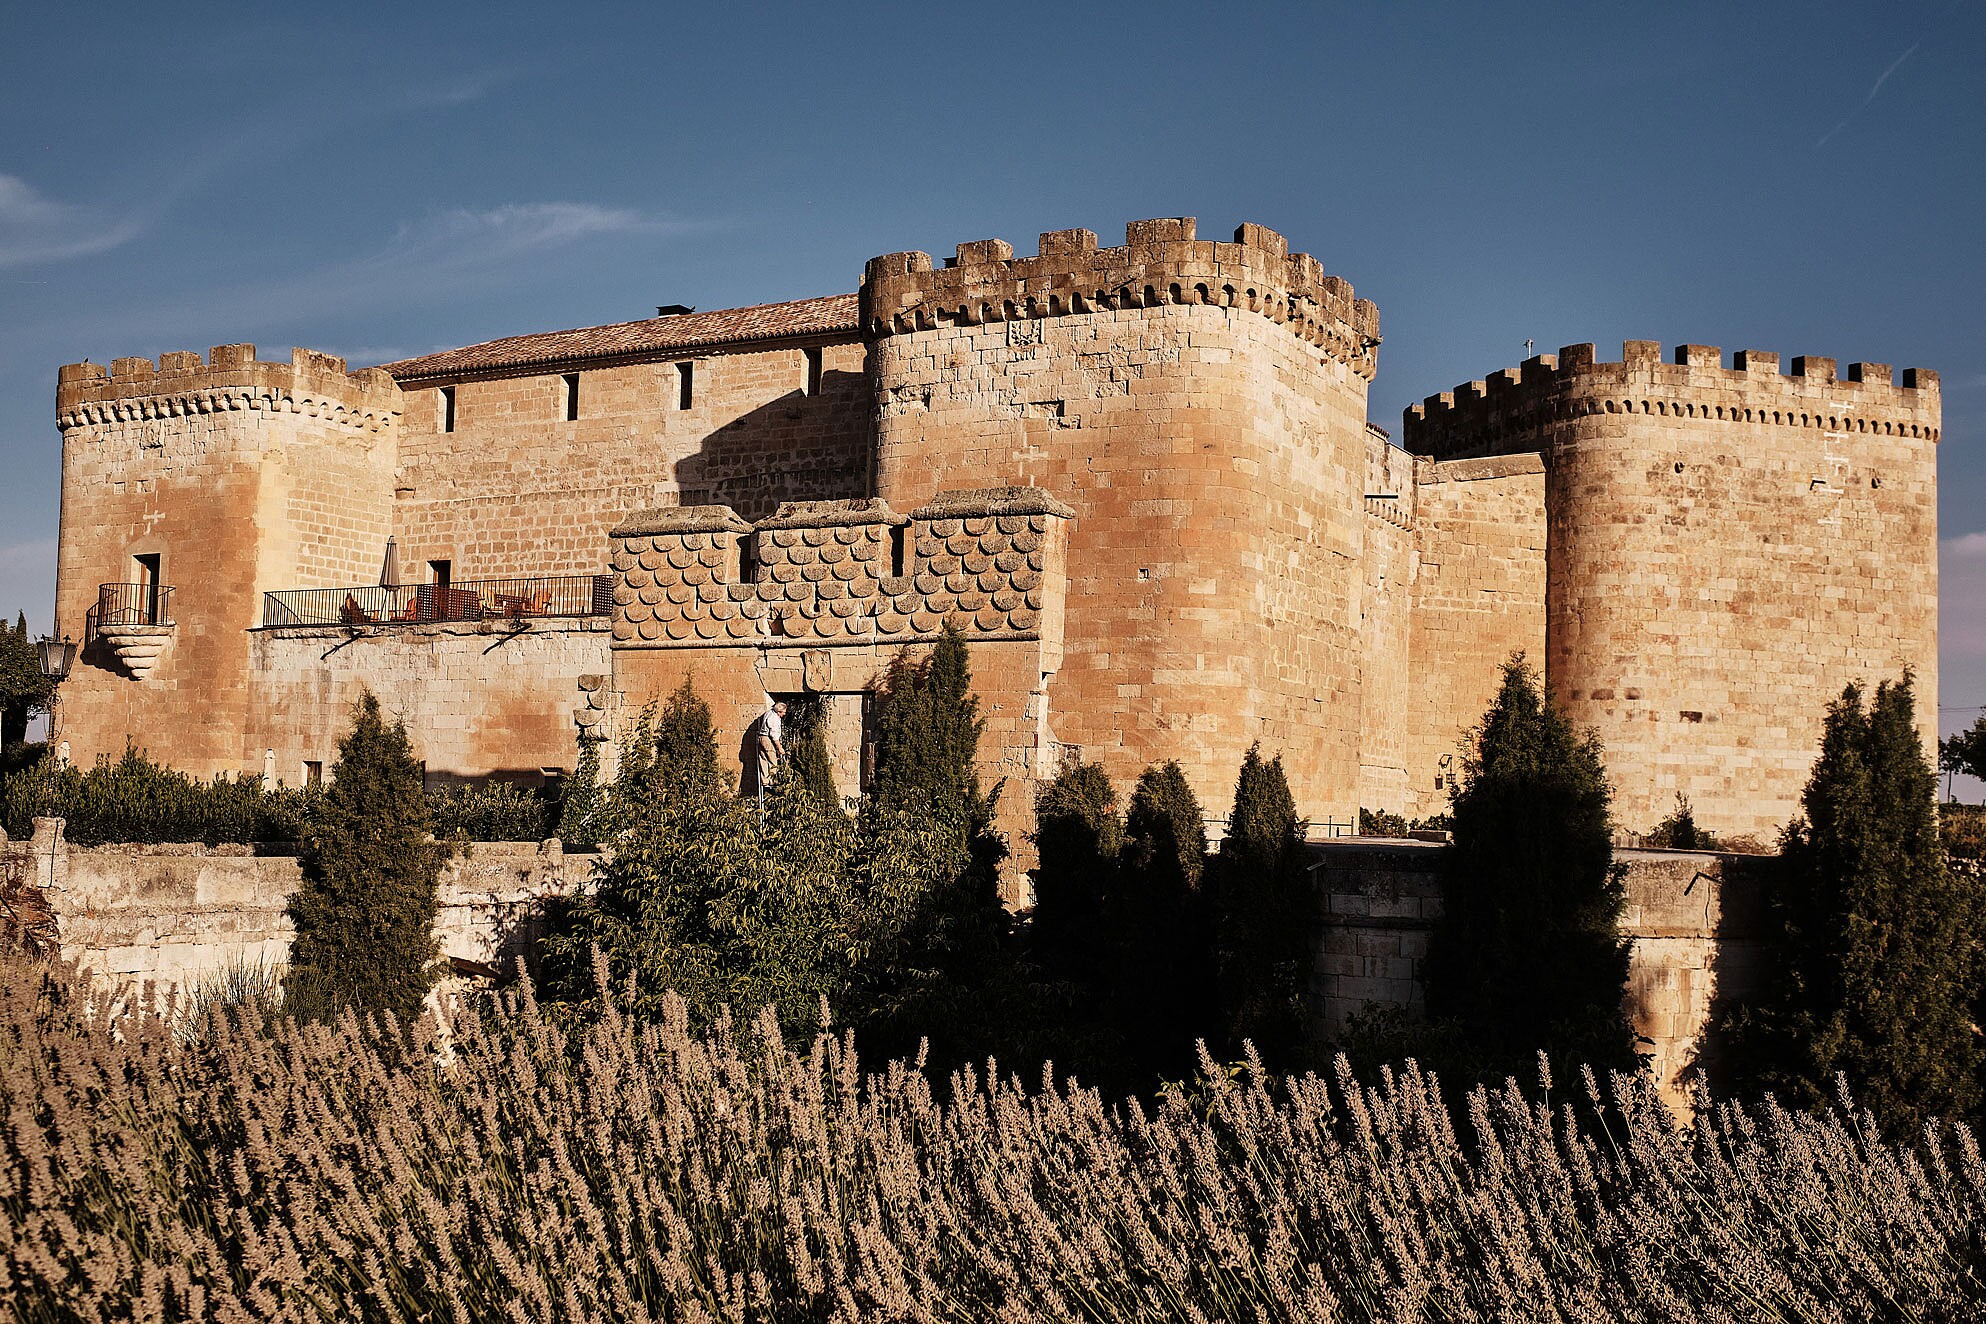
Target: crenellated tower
1726,547
189,487
1201,407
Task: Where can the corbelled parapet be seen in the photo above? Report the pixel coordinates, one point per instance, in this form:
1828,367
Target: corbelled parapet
1161,262
181,383
817,573
1507,408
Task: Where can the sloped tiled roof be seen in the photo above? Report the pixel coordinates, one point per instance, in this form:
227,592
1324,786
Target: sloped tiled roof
723,326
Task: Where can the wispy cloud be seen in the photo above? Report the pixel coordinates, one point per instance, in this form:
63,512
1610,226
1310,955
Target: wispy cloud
35,228
1881,78
1967,546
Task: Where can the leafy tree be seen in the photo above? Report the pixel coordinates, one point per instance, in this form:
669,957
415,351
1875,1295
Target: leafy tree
23,689
1528,954
1878,962
1965,752
365,914
1165,975
1261,885
1078,838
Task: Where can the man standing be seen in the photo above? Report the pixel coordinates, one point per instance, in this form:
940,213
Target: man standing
772,747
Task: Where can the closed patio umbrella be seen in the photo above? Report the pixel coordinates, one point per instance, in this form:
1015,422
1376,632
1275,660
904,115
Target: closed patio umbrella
389,573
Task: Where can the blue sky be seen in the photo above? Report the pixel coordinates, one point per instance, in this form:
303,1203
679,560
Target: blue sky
380,182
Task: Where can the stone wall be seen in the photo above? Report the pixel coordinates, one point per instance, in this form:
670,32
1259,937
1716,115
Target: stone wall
1201,407
516,488
178,916
480,699
1696,920
1727,548
1478,597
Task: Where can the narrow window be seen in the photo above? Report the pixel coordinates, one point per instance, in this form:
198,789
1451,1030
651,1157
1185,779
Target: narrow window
448,409
897,541
313,772
748,559
685,385
813,371
569,390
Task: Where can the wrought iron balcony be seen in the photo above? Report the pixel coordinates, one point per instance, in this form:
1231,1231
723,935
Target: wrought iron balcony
521,599
134,621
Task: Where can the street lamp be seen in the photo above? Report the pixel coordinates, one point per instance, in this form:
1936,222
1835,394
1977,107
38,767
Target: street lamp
55,658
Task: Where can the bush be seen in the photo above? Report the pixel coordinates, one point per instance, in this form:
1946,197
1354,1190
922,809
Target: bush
133,799
1679,830
1528,955
627,1169
1165,978
498,811
583,807
365,913
1878,961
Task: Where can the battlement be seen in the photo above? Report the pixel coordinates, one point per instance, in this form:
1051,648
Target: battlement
990,563
1506,409
230,378
1161,262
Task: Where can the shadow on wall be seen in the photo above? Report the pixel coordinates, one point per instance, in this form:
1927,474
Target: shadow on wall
799,447
1740,959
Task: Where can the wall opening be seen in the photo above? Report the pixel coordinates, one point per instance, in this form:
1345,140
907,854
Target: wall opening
448,409
747,560
441,573
569,396
145,572
813,371
313,772
685,385
898,541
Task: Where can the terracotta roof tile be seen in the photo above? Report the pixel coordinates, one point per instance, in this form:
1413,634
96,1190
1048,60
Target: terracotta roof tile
723,326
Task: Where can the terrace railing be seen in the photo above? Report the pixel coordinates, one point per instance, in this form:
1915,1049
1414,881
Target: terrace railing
518,599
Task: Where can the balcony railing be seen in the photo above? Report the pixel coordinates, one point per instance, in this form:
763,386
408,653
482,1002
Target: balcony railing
128,604
523,599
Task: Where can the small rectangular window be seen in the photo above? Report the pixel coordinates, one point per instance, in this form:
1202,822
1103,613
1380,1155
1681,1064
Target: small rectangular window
897,541
313,772
569,391
748,559
813,371
685,385
448,409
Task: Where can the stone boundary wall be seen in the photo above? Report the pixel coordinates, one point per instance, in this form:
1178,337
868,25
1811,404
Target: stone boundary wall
1696,919
175,916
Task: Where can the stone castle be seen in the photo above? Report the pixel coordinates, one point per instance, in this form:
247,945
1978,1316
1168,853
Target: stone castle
1140,479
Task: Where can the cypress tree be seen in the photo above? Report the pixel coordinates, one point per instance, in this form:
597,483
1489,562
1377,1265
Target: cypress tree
1165,977
1878,961
927,735
686,745
1077,838
807,759
1528,954
1260,885
364,916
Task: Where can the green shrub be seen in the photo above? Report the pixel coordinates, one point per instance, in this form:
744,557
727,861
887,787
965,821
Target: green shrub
1381,823
1679,830
1878,960
1261,887
583,807
364,914
1528,954
498,811
133,799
